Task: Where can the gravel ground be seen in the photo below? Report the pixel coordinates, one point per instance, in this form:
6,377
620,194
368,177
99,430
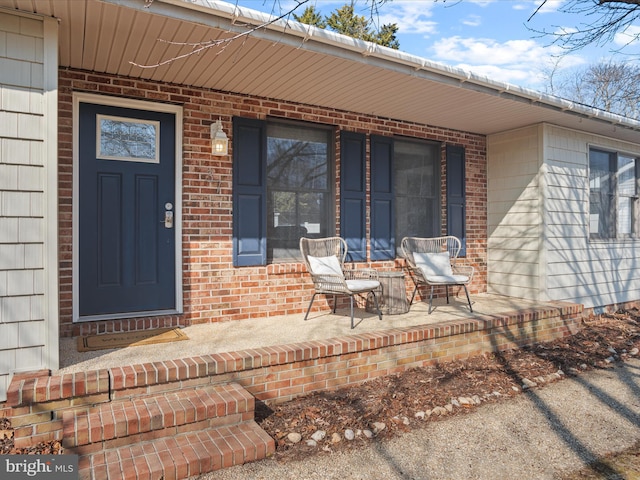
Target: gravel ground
543,434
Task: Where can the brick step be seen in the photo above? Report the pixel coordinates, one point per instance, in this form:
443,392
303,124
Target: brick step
180,456
164,414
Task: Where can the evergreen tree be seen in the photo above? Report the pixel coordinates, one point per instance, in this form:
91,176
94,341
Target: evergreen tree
345,21
311,17
387,36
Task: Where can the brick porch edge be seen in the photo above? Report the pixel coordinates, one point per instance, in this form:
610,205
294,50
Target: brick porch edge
280,373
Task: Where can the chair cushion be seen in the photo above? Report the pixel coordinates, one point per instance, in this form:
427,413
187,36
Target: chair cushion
447,279
433,264
362,285
324,265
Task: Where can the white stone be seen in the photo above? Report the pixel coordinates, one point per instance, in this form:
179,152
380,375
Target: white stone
378,427
294,437
319,435
455,403
312,443
367,433
634,351
349,434
421,415
336,438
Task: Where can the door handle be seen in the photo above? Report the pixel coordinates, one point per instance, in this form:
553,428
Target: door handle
168,219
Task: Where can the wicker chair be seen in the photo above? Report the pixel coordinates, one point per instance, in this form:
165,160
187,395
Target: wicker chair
324,259
432,261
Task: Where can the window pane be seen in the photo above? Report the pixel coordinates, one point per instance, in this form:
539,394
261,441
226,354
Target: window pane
626,190
600,195
127,139
298,187
626,176
294,161
623,225
417,189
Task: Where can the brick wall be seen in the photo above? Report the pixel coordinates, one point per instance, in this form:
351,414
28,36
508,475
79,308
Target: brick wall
213,289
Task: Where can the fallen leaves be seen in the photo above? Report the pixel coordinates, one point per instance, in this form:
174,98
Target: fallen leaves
401,401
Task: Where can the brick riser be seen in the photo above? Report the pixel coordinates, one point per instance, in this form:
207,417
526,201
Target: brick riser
143,418
170,435
180,456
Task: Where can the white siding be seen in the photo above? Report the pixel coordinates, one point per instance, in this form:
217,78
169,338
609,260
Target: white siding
538,238
514,216
28,221
595,273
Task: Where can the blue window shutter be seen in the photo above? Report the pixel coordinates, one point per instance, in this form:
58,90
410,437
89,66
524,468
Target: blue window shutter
249,192
382,199
456,195
353,194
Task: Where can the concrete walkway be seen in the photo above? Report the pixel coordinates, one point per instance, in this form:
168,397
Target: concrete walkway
538,435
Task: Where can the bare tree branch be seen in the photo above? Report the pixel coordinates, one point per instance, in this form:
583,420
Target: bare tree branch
199,47
603,19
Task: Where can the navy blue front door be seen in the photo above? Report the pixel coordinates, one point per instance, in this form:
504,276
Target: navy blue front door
126,210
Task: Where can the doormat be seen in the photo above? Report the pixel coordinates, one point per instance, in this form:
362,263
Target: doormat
130,339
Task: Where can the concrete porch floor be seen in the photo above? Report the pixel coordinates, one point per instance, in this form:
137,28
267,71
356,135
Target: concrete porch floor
286,330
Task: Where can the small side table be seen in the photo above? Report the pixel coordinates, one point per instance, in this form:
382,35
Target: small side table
393,300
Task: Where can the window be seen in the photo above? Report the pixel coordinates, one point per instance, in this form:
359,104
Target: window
417,189
405,192
613,194
299,200
127,139
282,188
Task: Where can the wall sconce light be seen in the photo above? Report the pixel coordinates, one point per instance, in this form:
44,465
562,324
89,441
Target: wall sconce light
219,140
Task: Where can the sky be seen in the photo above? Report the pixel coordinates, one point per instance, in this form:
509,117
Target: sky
493,38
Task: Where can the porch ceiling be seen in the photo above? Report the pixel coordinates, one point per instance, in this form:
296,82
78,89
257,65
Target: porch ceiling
296,64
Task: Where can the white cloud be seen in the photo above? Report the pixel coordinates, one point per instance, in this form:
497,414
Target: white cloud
522,62
482,3
486,50
472,21
410,16
629,37
550,6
